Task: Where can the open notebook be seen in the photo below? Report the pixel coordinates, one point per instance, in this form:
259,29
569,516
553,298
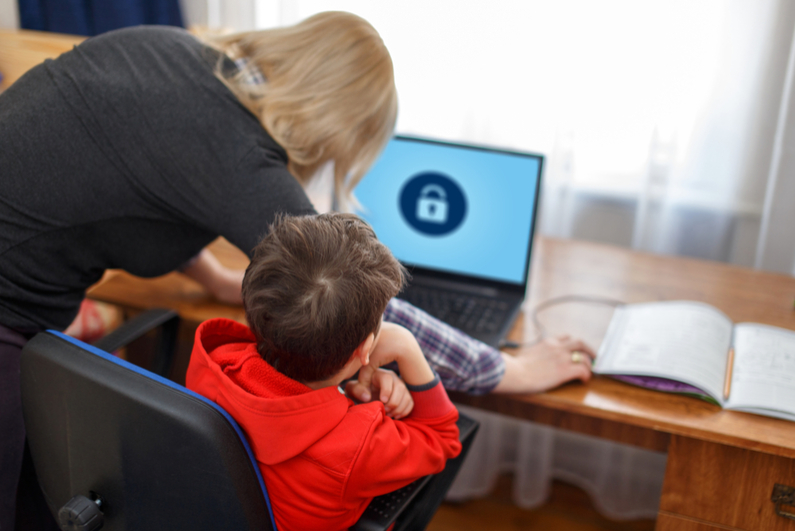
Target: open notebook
694,348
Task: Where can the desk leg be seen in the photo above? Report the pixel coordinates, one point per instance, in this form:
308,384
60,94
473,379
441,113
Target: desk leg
710,486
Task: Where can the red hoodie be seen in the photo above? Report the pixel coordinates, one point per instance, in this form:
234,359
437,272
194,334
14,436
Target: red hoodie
323,458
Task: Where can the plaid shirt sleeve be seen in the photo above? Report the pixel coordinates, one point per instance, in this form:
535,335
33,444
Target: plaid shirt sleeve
463,363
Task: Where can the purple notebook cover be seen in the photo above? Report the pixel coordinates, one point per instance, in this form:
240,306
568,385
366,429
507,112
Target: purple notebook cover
659,384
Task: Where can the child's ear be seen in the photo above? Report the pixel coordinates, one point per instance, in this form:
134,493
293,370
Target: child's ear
363,350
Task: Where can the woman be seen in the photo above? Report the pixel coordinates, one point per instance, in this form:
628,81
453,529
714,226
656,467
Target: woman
139,147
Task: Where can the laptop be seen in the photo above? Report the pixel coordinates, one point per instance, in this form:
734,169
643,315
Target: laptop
461,219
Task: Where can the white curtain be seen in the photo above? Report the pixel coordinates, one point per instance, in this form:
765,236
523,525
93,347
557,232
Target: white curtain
668,127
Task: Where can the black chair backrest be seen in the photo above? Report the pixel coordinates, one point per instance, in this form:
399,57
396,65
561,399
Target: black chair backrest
157,454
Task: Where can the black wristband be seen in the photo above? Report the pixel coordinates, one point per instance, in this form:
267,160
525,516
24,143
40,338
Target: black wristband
424,387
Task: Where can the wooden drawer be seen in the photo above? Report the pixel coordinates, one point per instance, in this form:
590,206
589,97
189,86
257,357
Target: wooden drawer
667,522
722,485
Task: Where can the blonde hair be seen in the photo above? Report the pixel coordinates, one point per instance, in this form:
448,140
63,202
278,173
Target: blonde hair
329,93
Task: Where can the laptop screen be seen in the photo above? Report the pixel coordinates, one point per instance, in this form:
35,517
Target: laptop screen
454,208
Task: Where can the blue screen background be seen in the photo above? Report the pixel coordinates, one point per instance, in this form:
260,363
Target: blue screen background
492,241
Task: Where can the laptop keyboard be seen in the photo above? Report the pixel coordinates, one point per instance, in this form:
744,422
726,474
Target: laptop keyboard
463,311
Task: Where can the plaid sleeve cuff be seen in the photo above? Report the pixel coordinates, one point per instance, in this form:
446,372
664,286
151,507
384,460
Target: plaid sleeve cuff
462,363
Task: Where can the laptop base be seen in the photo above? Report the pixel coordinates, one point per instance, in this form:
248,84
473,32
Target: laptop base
485,318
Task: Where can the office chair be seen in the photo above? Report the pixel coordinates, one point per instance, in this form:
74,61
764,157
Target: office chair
118,447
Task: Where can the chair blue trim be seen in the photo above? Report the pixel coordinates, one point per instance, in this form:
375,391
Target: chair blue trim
177,387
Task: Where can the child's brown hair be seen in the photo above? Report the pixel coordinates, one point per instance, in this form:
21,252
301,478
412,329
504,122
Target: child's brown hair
315,289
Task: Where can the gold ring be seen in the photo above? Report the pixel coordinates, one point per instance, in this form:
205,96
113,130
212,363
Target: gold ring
577,357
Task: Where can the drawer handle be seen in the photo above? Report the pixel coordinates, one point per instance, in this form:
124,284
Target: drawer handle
783,495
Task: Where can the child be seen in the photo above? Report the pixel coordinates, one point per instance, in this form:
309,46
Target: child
314,294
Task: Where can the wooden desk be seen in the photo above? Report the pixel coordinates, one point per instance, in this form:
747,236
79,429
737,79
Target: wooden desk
22,49
722,465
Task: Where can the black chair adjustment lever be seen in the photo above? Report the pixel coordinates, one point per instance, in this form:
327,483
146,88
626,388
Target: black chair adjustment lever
81,514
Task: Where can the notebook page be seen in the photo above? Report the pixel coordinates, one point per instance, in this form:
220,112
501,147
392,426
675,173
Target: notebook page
679,340
764,368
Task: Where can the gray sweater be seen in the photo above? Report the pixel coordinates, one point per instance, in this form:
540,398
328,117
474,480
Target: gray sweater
126,152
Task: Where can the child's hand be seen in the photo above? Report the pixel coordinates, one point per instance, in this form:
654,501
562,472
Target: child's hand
387,387
395,343
391,340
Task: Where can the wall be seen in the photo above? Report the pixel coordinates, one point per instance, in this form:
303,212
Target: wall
9,17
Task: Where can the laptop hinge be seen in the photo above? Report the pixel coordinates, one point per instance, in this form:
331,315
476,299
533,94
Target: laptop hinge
483,291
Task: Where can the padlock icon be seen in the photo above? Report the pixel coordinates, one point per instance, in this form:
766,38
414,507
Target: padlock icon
432,204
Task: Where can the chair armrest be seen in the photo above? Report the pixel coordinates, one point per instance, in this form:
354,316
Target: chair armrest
135,328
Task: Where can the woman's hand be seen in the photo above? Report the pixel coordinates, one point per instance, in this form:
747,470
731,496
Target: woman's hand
546,365
225,284
387,387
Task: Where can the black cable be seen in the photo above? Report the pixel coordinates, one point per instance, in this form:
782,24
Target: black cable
541,331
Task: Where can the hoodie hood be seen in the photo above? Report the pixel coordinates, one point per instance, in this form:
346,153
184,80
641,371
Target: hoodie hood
280,416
